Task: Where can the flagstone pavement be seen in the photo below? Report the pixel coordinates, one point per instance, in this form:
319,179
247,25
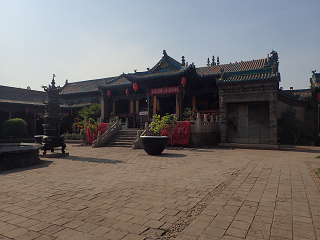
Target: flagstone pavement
188,194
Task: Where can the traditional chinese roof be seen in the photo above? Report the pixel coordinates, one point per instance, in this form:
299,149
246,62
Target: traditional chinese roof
315,80
250,78
82,102
169,68
161,74
288,97
232,67
85,86
120,80
300,94
21,96
166,64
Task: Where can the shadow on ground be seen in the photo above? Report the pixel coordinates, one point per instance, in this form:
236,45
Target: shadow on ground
309,149
171,155
42,164
96,160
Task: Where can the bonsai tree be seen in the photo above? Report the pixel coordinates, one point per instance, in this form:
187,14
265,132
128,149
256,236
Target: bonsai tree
14,127
168,121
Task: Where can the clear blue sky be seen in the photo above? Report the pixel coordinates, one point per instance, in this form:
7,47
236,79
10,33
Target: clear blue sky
82,40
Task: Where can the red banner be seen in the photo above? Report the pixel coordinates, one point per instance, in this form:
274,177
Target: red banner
164,90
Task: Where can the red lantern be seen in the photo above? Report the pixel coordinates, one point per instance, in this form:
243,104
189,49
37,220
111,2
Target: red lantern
183,81
318,96
27,110
127,92
135,87
108,93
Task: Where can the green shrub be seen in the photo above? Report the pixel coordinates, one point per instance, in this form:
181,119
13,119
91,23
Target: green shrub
168,121
14,127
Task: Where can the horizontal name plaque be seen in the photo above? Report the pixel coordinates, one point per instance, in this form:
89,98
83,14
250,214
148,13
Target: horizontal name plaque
164,90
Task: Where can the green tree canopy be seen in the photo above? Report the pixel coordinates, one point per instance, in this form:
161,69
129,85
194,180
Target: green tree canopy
14,127
94,111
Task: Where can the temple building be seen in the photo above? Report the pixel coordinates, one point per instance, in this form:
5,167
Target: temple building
242,97
242,94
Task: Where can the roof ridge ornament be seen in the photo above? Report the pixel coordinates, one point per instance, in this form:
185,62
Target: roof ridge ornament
183,61
165,53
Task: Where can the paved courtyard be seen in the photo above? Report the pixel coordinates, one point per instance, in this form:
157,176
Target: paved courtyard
121,193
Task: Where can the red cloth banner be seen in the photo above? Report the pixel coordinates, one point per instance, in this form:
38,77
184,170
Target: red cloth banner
92,136
180,135
164,90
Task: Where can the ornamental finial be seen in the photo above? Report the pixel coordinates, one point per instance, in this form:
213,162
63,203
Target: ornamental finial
53,82
164,53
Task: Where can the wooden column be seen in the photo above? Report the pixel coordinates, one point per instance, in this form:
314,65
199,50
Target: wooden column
114,107
154,105
131,106
177,106
103,106
137,106
193,102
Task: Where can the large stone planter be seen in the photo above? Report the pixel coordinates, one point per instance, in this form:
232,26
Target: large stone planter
14,155
153,145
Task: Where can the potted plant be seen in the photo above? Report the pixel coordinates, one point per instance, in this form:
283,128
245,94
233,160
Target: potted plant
154,145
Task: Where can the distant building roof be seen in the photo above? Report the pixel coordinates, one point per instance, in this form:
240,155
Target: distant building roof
85,86
22,96
300,94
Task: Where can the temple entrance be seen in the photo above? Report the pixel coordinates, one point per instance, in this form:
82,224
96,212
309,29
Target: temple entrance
122,106
248,122
167,104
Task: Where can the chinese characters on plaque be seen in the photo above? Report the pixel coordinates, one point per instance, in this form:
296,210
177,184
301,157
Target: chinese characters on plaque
164,90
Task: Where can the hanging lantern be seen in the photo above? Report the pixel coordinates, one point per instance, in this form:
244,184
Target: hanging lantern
318,96
135,87
183,81
108,93
127,92
26,110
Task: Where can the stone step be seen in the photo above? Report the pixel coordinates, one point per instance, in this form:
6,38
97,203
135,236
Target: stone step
124,138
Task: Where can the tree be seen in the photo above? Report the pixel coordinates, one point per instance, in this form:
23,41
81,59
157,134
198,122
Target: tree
290,127
168,121
14,127
94,111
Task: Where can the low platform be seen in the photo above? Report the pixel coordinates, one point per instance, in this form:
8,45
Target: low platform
249,146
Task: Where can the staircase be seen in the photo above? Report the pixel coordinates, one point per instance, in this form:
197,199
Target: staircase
124,138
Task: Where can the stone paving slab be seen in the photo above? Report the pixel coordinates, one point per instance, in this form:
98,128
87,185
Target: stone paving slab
121,193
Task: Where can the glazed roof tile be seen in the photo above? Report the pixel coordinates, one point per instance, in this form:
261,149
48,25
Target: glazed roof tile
232,67
22,96
120,80
149,74
251,78
84,86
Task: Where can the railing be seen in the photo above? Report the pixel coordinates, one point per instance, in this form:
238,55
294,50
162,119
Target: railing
205,125
104,138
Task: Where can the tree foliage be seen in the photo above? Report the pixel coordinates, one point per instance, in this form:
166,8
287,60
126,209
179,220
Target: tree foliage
168,121
290,128
14,127
94,111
